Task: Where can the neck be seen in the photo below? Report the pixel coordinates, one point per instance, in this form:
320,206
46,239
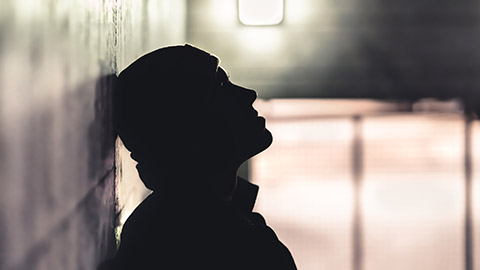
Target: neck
222,183
219,182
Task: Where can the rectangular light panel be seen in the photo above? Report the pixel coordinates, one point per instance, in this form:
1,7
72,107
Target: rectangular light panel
260,12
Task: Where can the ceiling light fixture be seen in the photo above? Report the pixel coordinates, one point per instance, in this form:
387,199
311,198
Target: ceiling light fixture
260,12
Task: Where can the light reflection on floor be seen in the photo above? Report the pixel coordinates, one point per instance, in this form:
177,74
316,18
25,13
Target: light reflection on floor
412,192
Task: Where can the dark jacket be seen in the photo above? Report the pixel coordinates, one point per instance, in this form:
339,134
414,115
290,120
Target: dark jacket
200,233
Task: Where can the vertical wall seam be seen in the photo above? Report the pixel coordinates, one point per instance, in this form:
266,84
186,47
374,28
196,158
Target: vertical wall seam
468,222
116,33
357,170
116,159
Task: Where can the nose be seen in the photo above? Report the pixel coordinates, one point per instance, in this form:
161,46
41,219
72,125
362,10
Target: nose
245,94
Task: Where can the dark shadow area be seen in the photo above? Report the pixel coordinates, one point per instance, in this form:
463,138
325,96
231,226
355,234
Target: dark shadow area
86,231
101,137
190,128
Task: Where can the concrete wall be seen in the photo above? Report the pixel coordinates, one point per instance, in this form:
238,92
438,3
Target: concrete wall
57,64
345,48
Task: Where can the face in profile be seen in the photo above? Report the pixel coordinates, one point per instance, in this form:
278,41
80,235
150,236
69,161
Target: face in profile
179,114
232,104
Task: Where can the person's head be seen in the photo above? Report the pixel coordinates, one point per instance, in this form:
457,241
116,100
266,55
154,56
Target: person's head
177,112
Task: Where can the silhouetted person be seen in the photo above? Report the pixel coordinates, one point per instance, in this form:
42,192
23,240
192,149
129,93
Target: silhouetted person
190,129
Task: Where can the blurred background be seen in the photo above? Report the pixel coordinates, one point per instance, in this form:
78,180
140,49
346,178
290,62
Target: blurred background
372,106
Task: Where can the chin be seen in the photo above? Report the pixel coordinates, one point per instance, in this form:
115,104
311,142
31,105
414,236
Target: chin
268,139
255,145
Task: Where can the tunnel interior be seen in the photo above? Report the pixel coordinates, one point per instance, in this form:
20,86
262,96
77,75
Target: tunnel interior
372,104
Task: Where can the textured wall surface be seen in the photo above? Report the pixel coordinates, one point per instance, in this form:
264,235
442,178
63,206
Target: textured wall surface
330,48
143,26
58,61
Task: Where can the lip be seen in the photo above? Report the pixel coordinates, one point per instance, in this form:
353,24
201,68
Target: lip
252,114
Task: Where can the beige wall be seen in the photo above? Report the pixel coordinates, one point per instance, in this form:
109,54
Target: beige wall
57,171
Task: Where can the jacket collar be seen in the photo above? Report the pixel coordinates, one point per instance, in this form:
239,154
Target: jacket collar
245,195
243,199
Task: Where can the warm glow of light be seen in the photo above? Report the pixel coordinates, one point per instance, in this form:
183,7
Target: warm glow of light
261,41
260,12
130,190
220,13
411,193
300,108
305,192
308,202
415,198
